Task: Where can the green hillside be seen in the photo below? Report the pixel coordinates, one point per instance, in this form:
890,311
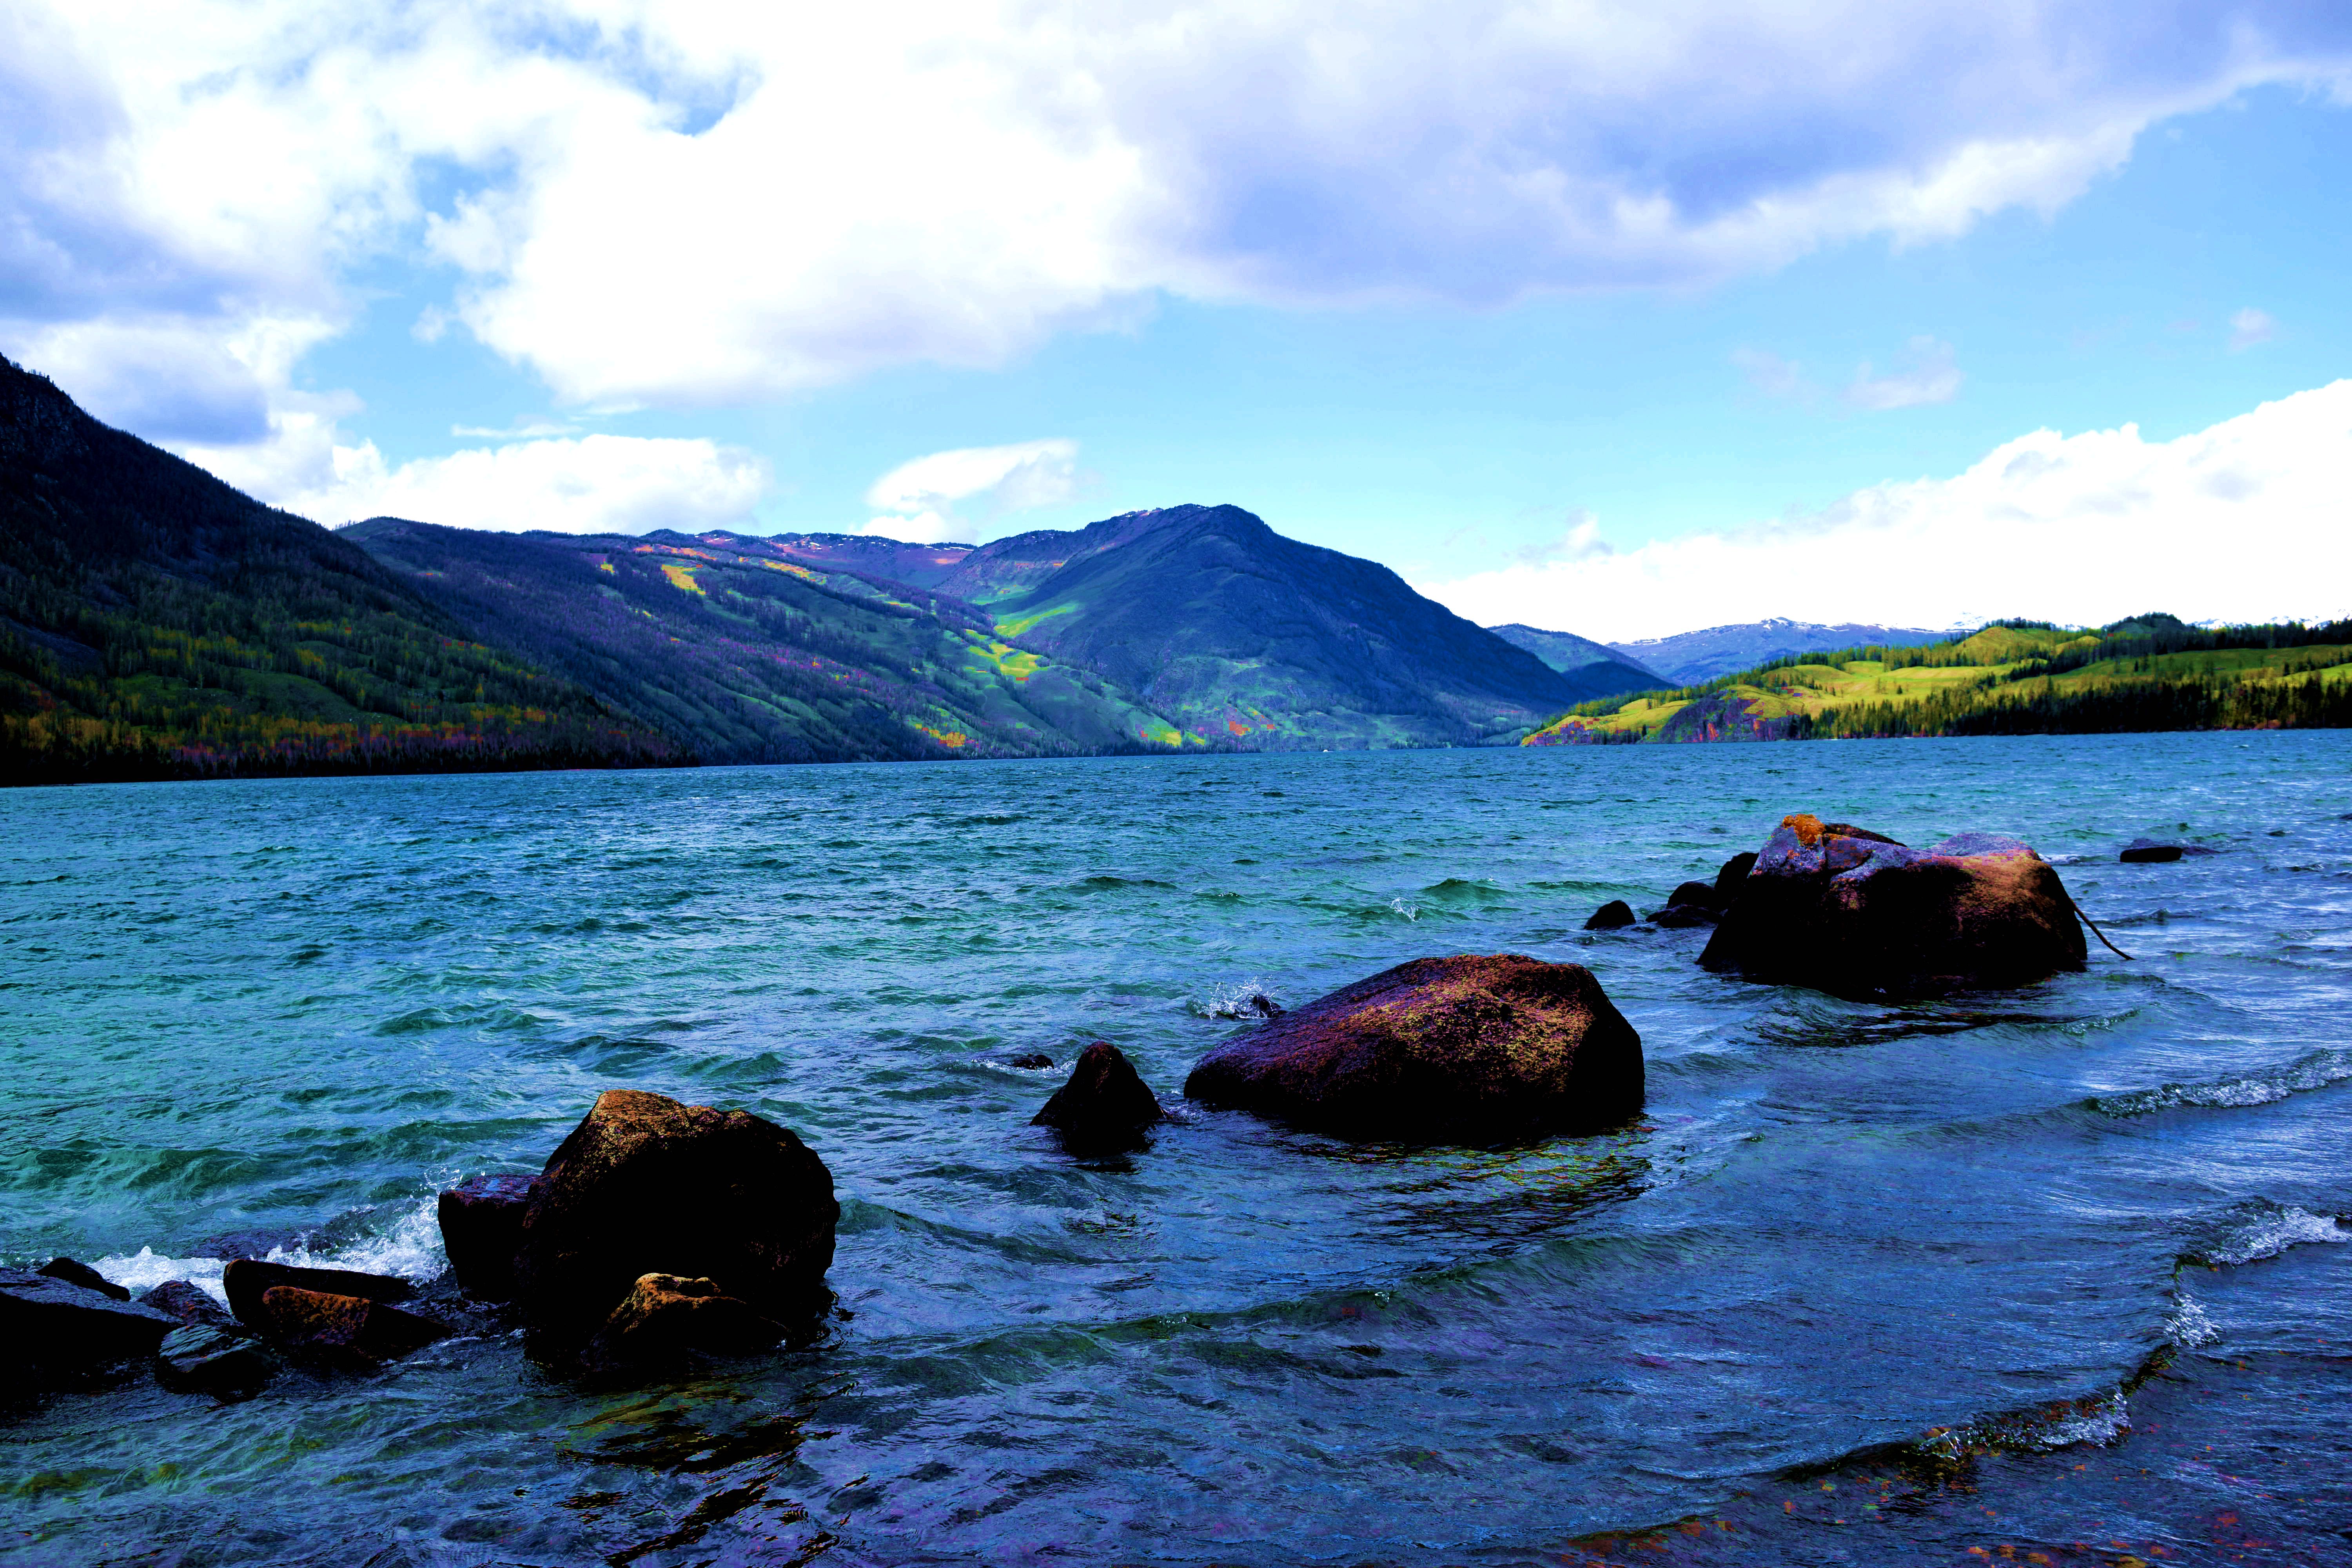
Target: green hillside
743,652
155,622
2150,673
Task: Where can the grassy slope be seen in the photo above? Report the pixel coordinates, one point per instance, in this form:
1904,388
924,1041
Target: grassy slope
748,653
2150,674
155,622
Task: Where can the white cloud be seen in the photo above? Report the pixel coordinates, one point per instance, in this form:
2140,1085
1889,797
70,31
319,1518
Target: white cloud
699,202
594,484
921,498
2249,327
1926,375
2244,522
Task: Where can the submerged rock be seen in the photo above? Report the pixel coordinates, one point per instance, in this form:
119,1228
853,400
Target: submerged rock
1615,915
349,1330
1680,916
482,1230
666,1315
1106,1105
50,1328
83,1275
248,1279
647,1185
1033,1060
1856,914
208,1359
2141,850
1473,1049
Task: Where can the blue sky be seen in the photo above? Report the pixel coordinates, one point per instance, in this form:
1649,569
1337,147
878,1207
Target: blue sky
548,282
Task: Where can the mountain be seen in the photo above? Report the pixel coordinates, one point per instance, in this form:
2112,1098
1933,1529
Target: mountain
1581,657
1234,630
1185,627
745,652
1688,658
155,622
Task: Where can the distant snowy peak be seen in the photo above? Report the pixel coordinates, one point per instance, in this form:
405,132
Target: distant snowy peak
1689,656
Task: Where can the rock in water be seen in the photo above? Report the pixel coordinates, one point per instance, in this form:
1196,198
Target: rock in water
647,1185
247,1278
1729,880
1465,1050
2141,851
1680,916
1615,915
189,1304
666,1315
199,1359
1700,895
49,1328
1105,1106
482,1230
1858,915
351,1329
83,1275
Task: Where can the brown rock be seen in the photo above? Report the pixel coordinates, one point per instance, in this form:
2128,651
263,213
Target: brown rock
1472,1048
647,1185
347,1329
1104,1106
666,1315
1856,914
482,1230
247,1278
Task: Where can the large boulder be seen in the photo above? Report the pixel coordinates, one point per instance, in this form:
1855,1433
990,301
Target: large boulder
1855,913
1732,877
51,1328
1104,1107
1474,1048
647,1186
482,1230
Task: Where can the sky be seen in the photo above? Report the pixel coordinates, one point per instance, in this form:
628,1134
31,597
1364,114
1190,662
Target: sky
1620,319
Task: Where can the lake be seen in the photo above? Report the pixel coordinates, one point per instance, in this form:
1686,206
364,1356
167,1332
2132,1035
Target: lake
2051,1270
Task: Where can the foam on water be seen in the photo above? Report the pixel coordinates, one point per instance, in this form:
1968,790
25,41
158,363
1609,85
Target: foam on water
2318,1070
2266,1233
410,1247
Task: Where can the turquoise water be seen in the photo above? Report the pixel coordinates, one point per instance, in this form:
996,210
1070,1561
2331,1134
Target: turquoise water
2081,1234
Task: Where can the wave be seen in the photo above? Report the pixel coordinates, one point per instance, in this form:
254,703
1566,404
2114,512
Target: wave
410,1247
2257,1231
2318,1070
1233,999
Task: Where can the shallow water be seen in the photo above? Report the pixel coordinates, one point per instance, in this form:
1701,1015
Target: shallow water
1948,1252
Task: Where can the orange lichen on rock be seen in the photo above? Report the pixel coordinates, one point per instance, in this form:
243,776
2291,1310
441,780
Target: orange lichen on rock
1805,825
